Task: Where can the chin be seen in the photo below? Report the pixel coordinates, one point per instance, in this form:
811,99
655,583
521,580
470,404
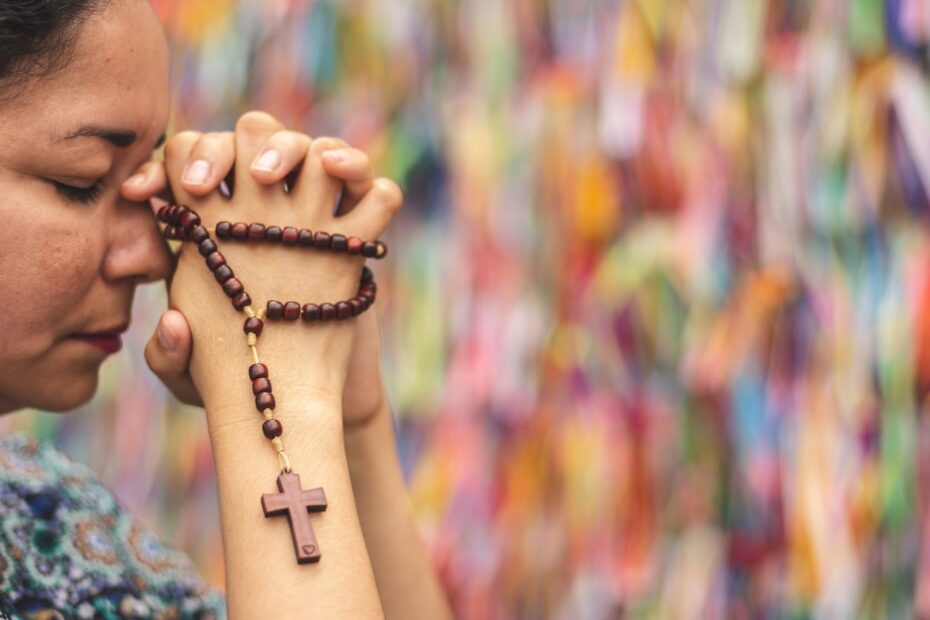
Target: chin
64,395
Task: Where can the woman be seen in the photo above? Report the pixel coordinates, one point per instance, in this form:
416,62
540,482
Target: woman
83,102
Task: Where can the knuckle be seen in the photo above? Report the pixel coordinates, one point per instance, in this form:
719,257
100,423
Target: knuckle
256,121
327,143
181,143
388,193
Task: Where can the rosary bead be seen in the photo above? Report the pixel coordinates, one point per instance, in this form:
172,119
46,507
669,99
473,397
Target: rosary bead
240,230
274,310
311,312
291,311
253,325
339,243
232,287
321,240
367,275
171,232
199,234
258,371
222,273
215,261
354,245
162,212
327,312
356,306
343,311
207,247
241,300
223,230
369,249
272,428
365,303
260,385
381,249
289,235
264,400
257,232
305,238
189,219
273,234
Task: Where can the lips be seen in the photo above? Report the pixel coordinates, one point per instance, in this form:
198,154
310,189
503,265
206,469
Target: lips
107,340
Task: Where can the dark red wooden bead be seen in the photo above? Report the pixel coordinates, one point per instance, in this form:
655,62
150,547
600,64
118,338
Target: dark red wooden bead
189,219
311,312
198,234
356,306
274,310
215,261
272,428
355,245
321,240
369,249
339,243
207,247
241,300
260,385
367,274
327,312
224,230
258,371
232,287
273,234
265,400
240,230
382,249
291,311
289,235
305,238
171,232
365,303
253,325
257,232
343,311
223,273
162,212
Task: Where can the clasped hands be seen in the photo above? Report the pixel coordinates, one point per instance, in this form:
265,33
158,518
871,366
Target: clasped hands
278,177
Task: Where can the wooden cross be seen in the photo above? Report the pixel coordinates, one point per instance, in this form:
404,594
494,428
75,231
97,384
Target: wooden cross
297,504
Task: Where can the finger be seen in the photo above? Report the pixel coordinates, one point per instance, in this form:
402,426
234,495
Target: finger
177,151
148,182
168,355
280,157
353,167
252,132
315,182
373,212
208,162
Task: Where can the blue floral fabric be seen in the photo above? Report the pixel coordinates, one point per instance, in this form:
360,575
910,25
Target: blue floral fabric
69,550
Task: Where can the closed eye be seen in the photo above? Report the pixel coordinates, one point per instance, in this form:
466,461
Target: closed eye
83,195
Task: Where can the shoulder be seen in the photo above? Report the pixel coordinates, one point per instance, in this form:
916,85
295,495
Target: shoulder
67,545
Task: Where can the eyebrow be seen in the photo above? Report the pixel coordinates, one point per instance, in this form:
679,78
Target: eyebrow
118,137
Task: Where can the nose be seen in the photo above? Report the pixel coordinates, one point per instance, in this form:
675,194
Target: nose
136,249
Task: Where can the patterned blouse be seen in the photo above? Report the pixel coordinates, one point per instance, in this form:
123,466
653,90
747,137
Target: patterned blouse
68,550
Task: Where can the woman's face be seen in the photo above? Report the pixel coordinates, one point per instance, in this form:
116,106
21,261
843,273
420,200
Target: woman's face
72,250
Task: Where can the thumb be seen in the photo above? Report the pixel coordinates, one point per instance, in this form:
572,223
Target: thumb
168,354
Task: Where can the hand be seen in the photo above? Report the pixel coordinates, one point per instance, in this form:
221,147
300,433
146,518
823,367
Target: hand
169,349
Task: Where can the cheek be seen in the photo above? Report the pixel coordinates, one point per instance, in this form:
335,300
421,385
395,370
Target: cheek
49,262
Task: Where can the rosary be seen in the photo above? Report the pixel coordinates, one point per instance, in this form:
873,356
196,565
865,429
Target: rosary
183,224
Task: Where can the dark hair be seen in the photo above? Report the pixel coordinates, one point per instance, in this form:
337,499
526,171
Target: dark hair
37,36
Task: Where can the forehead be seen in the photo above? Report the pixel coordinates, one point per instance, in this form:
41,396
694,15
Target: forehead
117,75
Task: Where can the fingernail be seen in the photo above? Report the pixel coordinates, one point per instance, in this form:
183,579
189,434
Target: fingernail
166,337
196,172
136,179
268,161
336,156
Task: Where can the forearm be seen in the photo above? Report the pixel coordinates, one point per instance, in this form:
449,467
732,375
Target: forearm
262,576
406,581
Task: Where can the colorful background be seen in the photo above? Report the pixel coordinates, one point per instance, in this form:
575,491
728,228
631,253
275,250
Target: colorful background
658,308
